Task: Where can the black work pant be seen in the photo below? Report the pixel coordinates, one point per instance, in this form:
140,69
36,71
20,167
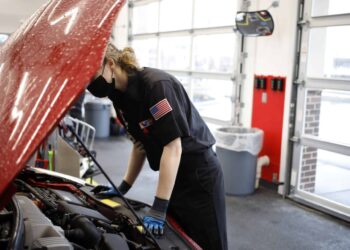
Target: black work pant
198,200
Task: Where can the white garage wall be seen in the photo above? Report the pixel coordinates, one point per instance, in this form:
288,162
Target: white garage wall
272,55
14,12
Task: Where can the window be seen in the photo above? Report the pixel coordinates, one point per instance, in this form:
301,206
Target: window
326,174
175,15
145,18
329,54
213,53
212,98
209,13
146,51
174,53
193,40
330,7
324,115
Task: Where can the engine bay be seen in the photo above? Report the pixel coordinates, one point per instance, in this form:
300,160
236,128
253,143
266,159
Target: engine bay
51,213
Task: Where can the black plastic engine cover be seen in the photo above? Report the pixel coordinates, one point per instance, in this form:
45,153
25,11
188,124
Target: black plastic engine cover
113,242
66,207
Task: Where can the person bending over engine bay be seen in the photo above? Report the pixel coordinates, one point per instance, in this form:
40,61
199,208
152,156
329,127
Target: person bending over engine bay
167,129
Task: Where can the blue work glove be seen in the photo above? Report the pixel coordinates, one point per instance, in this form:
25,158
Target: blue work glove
155,219
154,225
102,191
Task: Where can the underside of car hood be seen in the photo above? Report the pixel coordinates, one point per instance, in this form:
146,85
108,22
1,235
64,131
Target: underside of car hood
44,66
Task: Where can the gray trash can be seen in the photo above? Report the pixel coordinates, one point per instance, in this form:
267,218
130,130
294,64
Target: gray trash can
97,114
237,149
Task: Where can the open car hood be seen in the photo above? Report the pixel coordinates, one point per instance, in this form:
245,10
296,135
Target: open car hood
44,66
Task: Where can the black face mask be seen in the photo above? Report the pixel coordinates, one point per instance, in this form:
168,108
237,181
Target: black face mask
100,87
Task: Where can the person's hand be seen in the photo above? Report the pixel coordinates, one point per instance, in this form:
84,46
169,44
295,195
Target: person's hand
105,191
154,225
155,219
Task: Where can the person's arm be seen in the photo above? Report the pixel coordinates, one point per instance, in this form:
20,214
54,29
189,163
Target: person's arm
169,165
136,161
170,125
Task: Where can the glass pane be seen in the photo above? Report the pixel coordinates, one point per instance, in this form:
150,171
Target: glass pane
330,7
146,51
212,98
325,115
209,13
325,174
213,53
174,53
145,18
175,15
329,54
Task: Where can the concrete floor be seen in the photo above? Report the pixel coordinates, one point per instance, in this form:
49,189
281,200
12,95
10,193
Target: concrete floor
260,221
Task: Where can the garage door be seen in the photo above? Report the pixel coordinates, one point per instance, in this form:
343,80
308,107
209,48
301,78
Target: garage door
321,151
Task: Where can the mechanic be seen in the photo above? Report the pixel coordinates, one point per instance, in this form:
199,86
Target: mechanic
167,129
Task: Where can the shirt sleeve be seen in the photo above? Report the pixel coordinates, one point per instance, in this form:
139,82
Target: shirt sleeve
168,112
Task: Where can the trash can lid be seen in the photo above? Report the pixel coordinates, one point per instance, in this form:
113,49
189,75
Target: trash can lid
239,130
240,139
97,105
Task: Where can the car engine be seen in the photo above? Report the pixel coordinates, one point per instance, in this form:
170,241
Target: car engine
49,213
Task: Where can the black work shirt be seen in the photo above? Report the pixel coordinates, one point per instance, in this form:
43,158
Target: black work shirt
155,110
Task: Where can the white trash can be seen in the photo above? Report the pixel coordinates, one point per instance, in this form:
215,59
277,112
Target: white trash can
97,114
237,149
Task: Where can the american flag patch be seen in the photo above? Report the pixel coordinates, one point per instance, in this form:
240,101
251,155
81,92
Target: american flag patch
160,109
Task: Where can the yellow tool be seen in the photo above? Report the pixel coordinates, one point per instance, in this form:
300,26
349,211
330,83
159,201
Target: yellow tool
110,203
140,228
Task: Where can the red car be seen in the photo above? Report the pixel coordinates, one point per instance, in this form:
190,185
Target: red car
44,66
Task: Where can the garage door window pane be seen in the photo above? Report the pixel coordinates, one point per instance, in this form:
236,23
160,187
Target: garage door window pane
212,98
325,174
330,7
329,54
174,53
209,13
145,18
326,115
175,15
146,51
213,53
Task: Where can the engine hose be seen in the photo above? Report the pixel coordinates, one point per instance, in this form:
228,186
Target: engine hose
83,232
